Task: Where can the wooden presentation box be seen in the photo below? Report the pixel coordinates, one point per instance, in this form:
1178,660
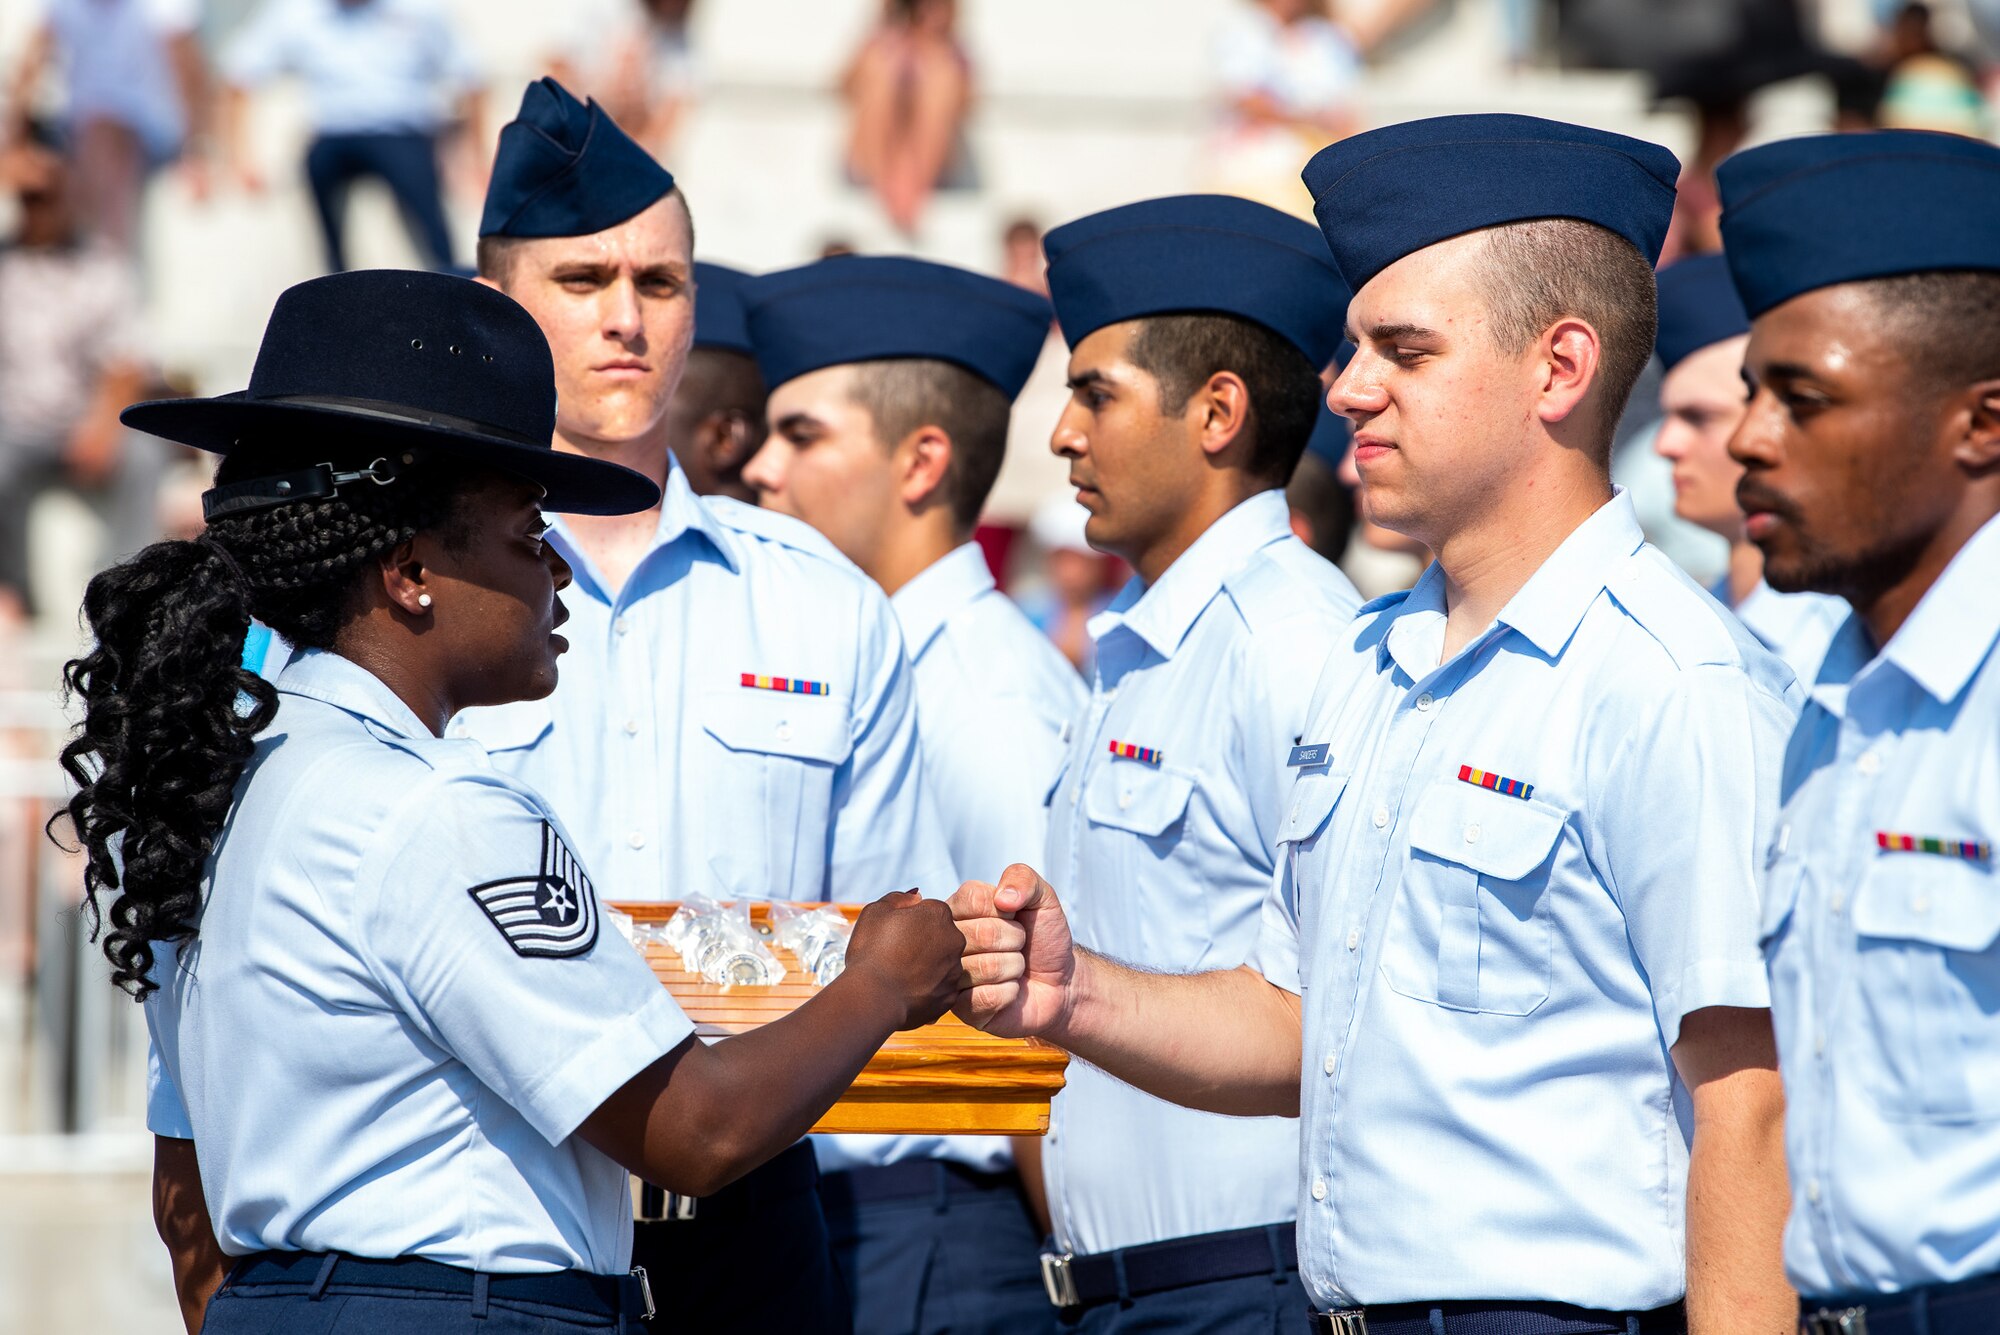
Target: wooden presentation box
944,1078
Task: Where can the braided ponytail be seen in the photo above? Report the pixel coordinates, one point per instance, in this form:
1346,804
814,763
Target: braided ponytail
170,715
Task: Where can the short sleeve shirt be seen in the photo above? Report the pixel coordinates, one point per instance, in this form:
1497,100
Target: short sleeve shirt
1506,878
385,66
401,1003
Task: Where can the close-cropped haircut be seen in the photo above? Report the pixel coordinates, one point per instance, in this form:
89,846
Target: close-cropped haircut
1550,269
1182,352
170,715
1946,324
904,394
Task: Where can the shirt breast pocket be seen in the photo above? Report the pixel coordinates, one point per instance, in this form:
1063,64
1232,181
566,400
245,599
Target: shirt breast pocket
1927,987
1141,800
774,768
1470,926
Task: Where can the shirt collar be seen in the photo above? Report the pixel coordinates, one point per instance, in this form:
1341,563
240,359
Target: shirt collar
1547,609
318,674
681,513
1163,613
1954,625
940,589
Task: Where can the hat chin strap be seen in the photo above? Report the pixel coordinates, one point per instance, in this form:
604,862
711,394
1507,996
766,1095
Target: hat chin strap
310,484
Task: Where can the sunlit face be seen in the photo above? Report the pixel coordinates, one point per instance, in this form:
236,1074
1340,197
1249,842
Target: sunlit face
1848,468
824,463
1442,415
1136,469
494,595
1701,402
618,310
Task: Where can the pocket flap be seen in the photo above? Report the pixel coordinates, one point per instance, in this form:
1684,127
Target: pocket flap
1495,835
513,727
1127,795
1948,902
1312,800
805,727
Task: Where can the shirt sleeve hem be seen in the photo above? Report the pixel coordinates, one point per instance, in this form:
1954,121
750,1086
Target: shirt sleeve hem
559,1104
1710,983
1280,966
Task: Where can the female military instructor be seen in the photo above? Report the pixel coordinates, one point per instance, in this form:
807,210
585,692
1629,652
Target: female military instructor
399,1071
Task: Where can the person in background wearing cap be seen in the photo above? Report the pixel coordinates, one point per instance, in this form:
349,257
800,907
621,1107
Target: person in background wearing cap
1703,332
738,718
1322,505
1197,327
399,1068
891,383
1870,267
1508,973
715,419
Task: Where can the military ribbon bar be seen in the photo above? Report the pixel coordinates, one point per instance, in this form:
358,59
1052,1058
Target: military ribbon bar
1480,778
1145,755
1971,850
789,685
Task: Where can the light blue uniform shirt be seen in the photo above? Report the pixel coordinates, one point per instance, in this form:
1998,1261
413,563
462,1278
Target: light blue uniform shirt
993,696
1164,862
678,778
1885,965
1797,627
365,1060
1492,983
384,66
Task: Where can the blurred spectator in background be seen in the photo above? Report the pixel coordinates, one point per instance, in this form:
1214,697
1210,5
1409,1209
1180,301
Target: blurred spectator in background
1021,260
134,85
1076,579
1926,86
644,75
70,359
1287,75
384,80
908,91
1322,505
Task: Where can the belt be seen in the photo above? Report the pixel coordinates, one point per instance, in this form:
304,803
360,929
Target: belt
1969,1307
911,1180
316,1272
1477,1318
792,1173
1178,1263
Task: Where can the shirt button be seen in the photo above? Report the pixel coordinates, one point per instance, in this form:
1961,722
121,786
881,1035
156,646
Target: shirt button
1319,1188
1472,834
1354,939
1424,701
1812,1191
1381,818
459,730
637,838
1869,762
1819,1045
1920,903
631,727
784,732
1836,904
1330,1063
622,624
1125,801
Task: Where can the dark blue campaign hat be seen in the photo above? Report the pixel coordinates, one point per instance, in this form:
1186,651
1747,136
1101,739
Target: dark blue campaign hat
864,308
411,364
1808,213
718,308
1698,306
566,169
1197,254
1387,193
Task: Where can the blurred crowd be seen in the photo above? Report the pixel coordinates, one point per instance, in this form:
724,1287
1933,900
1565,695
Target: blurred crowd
107,96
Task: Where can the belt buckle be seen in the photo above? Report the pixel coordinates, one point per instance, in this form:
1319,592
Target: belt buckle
1058,1281
1836,1321
1353,1321
645,1292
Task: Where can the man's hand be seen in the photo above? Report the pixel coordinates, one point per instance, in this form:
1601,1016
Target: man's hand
1020,964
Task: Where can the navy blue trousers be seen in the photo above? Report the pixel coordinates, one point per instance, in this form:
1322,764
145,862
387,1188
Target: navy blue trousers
299,1306
959,1263
406,162
1255,1305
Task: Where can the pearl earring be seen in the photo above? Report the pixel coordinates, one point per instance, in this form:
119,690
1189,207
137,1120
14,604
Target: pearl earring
424,601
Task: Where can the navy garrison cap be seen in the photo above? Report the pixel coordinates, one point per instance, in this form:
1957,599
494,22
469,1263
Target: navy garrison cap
1698,306
566,169
718,308
865,308
1808,213
1197,254
1387,193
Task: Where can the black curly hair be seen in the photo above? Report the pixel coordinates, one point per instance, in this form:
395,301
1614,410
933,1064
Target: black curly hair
170,714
